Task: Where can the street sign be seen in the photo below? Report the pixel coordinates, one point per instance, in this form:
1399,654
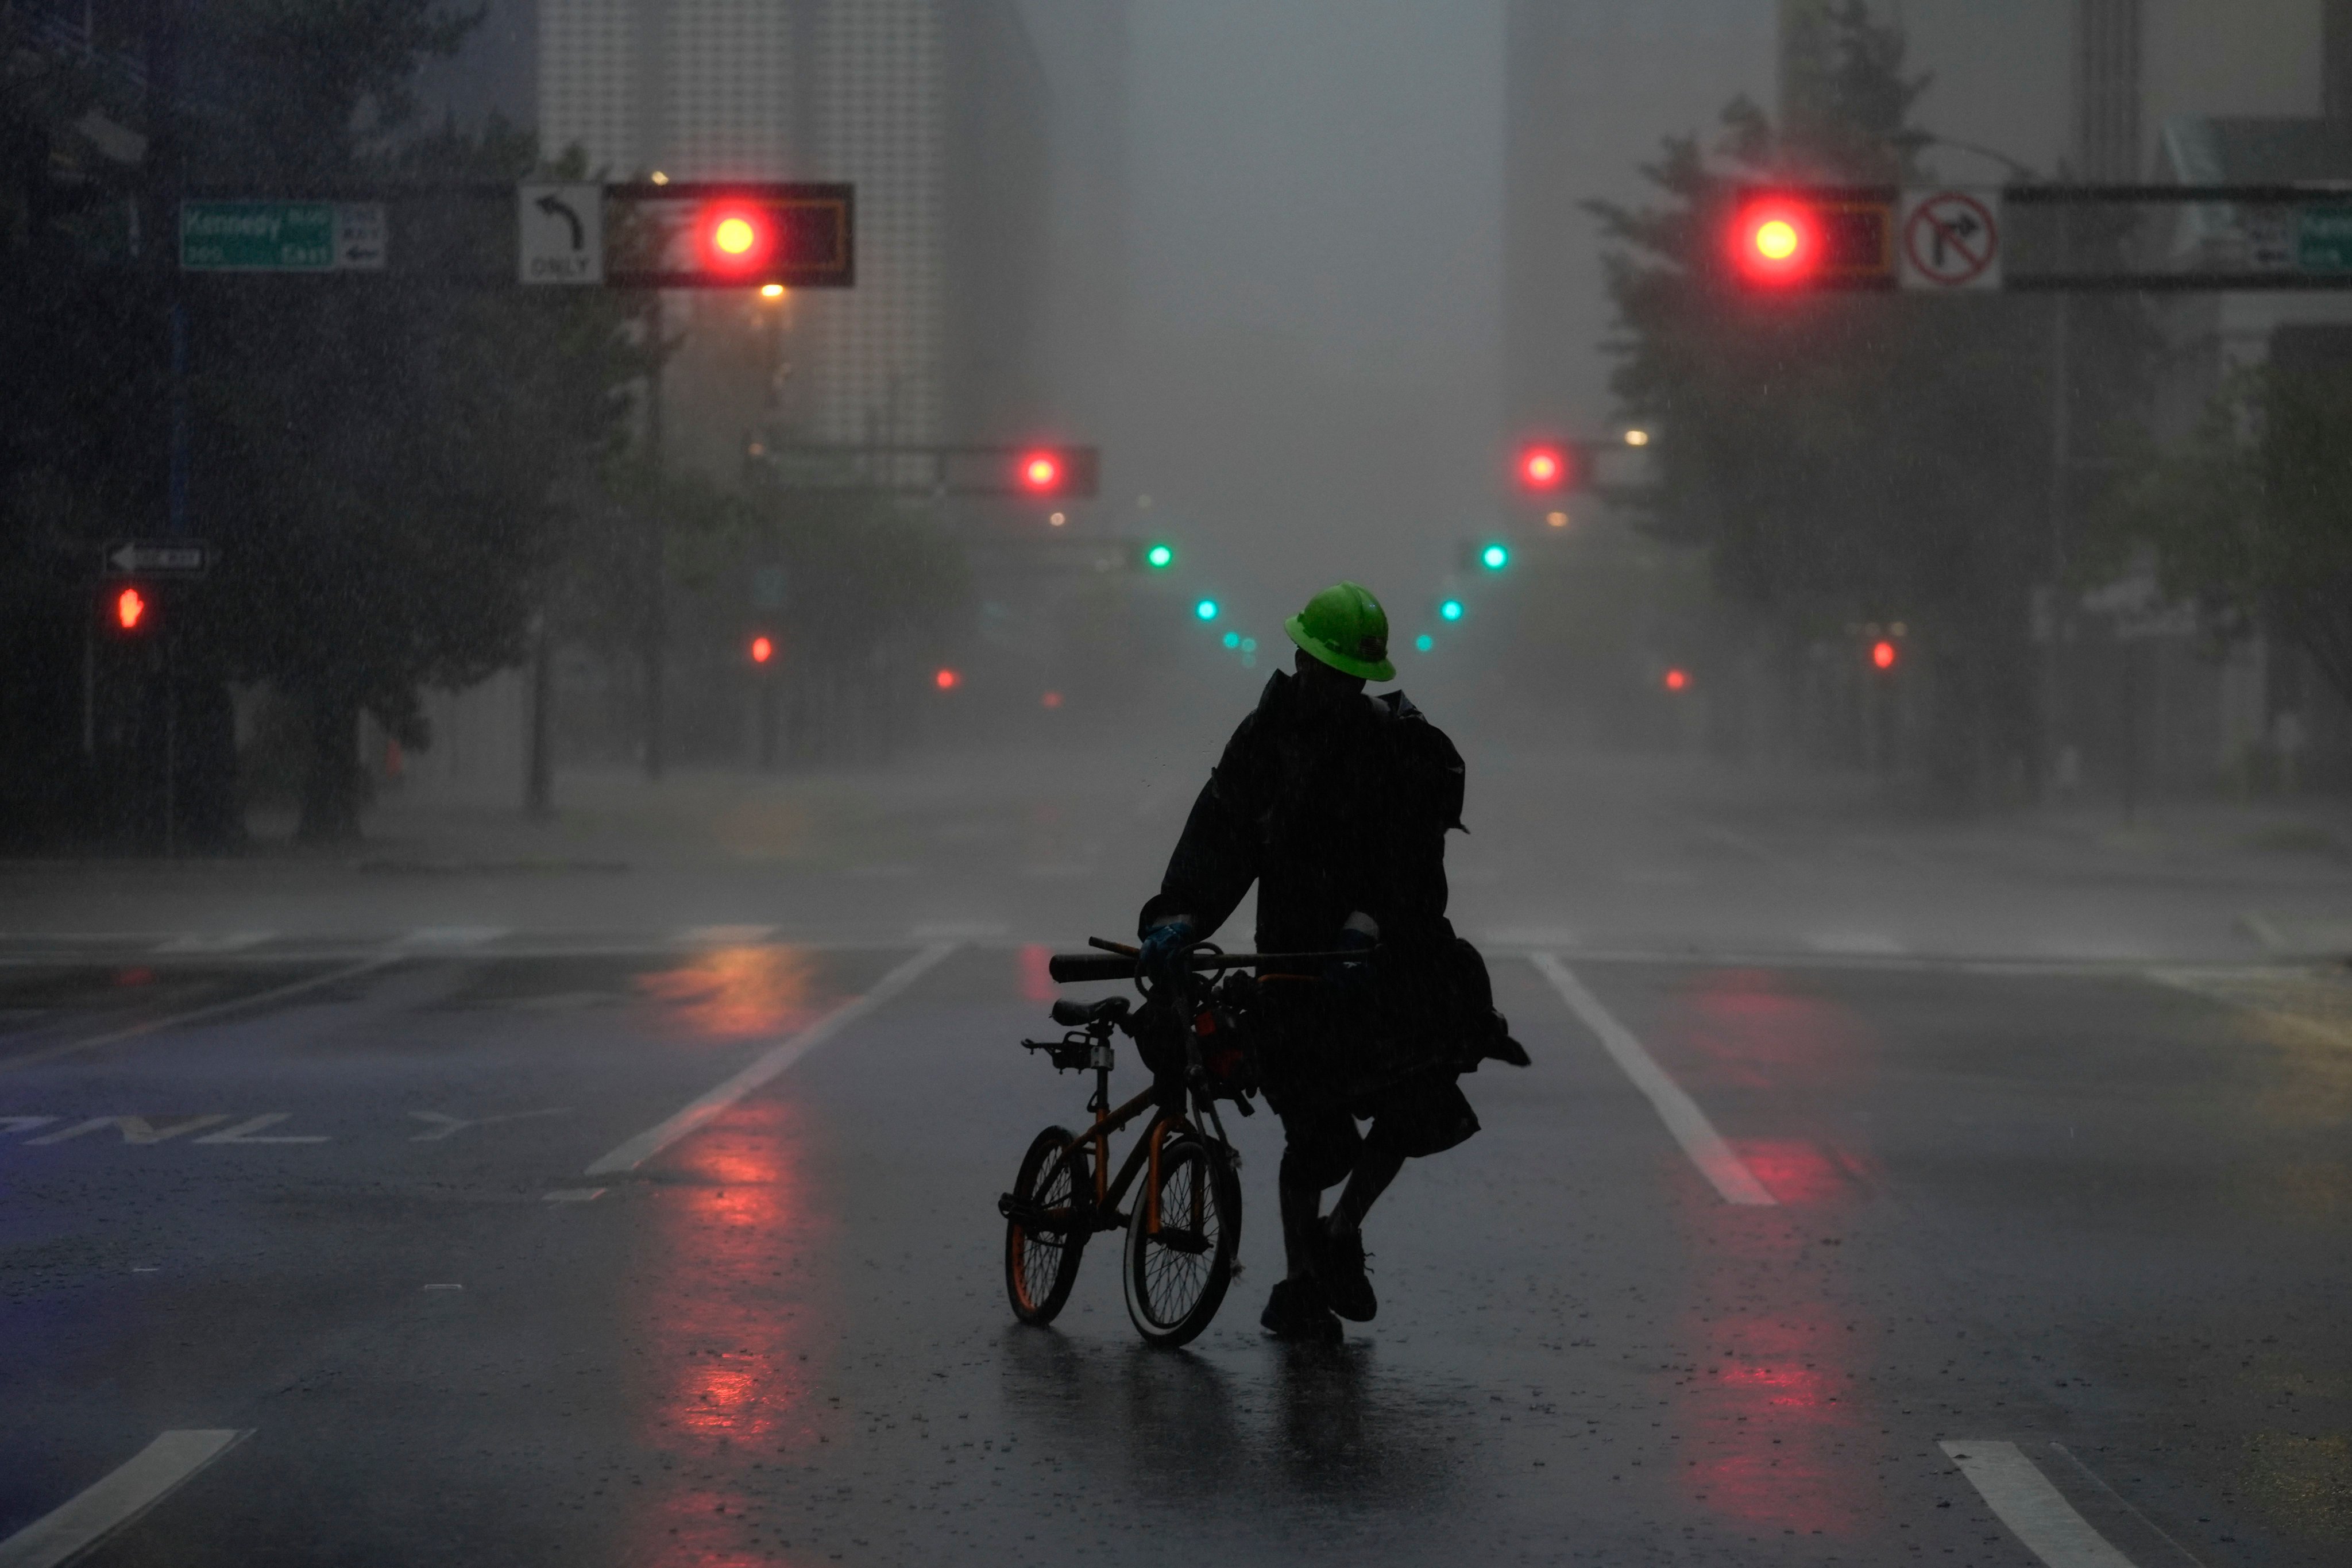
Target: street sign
2323,239
362,235
258,236
562,230
282,236
159,557
1950,239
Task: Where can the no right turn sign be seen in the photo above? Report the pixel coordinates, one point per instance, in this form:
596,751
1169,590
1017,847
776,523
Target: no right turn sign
1949,238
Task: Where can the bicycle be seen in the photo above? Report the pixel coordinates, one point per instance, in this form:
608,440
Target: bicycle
1183,1228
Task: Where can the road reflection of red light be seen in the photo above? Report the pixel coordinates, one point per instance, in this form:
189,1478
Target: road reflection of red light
1036,981
726,1321
1775,1441
735,993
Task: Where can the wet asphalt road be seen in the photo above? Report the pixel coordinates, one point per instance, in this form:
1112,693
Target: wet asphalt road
332,1192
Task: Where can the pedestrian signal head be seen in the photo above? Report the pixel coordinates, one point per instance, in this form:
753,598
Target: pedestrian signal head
130,609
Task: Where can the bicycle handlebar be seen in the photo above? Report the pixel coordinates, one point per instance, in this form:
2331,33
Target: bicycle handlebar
1070,967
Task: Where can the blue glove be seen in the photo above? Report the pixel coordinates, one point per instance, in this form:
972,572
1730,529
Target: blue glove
1163,947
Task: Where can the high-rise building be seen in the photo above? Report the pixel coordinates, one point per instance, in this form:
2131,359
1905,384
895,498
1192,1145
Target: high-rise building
935,110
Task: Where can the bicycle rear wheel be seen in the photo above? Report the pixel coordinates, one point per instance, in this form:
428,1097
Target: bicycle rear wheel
1176,1272
1048,1215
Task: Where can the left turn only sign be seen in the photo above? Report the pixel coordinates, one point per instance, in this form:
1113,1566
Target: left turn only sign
561,228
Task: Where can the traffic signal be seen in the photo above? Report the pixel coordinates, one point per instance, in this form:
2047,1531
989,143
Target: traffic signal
1160,556
1052,470
947,680
763,648
1450,610
1795,239
1494,557
1677,679
1884,655
1546,466
737,239
1206,610
131,611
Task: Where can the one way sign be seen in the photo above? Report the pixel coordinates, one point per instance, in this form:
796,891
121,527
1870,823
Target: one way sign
562,232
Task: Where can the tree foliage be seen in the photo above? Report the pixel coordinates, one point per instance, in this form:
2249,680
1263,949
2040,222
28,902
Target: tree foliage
2251,518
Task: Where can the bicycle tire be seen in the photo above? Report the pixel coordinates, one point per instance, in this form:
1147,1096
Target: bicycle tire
1057,1178
1176,1280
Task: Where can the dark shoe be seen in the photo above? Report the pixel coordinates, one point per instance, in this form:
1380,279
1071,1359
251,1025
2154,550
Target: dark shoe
1339,1268
1295,1311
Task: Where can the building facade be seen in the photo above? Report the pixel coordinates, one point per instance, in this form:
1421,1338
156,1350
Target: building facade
937,110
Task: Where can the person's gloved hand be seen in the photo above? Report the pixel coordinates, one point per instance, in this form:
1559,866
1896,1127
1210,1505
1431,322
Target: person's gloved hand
1163,947
1351,975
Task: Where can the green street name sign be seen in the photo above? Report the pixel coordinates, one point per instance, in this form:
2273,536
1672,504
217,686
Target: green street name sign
2323,239
258,236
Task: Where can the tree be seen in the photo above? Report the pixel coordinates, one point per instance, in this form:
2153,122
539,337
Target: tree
380,462
2251,518
1846,457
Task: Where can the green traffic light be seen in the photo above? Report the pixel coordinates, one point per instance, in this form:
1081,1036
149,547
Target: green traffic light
1424,642
1232,639
1206,609
1159,557
1494,557
1451,609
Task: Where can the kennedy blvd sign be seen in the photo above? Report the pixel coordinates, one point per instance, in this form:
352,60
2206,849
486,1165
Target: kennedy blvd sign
282,236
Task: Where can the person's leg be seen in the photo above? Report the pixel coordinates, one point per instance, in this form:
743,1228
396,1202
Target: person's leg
1301,1200
1377,1164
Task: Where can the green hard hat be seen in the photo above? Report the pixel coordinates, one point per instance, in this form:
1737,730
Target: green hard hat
1345,627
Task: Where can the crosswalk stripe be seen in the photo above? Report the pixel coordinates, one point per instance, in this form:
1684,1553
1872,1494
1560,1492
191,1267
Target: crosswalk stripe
2021,1498
637,1151
201,1014
1684,1119
138,1484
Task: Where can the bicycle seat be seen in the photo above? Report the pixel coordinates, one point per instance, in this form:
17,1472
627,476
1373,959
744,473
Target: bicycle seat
1078,1015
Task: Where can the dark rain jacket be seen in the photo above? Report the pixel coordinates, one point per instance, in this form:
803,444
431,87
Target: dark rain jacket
1328,814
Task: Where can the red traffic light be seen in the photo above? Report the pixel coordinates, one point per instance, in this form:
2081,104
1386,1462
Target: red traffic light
130,607
1546,467
1883,654
1676,679
947,680
1776,242
735,238
1041,471
763,649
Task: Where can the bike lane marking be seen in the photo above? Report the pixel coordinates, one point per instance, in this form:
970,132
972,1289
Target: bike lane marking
2021,1498
200,1014
138,1484
703,1108
1678,1111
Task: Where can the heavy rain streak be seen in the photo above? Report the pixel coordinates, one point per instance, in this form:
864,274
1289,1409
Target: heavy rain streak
1134,781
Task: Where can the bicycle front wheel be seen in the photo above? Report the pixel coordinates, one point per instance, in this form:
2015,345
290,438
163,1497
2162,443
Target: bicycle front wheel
1180,1252
1048,1215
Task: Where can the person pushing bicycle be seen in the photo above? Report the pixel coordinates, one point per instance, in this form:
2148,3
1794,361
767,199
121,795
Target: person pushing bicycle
1337,803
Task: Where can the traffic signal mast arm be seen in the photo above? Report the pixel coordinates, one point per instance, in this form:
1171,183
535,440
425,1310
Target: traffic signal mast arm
1803,238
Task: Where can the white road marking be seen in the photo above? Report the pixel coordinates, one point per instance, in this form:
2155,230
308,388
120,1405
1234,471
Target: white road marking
444,1287
243,1132
1855,944
957,931
446,1126
200,1014
1534,936
725,936
147,1478
2022,1498
135,1129
217,941
573,1195
629,1155
454,936
1681,1113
